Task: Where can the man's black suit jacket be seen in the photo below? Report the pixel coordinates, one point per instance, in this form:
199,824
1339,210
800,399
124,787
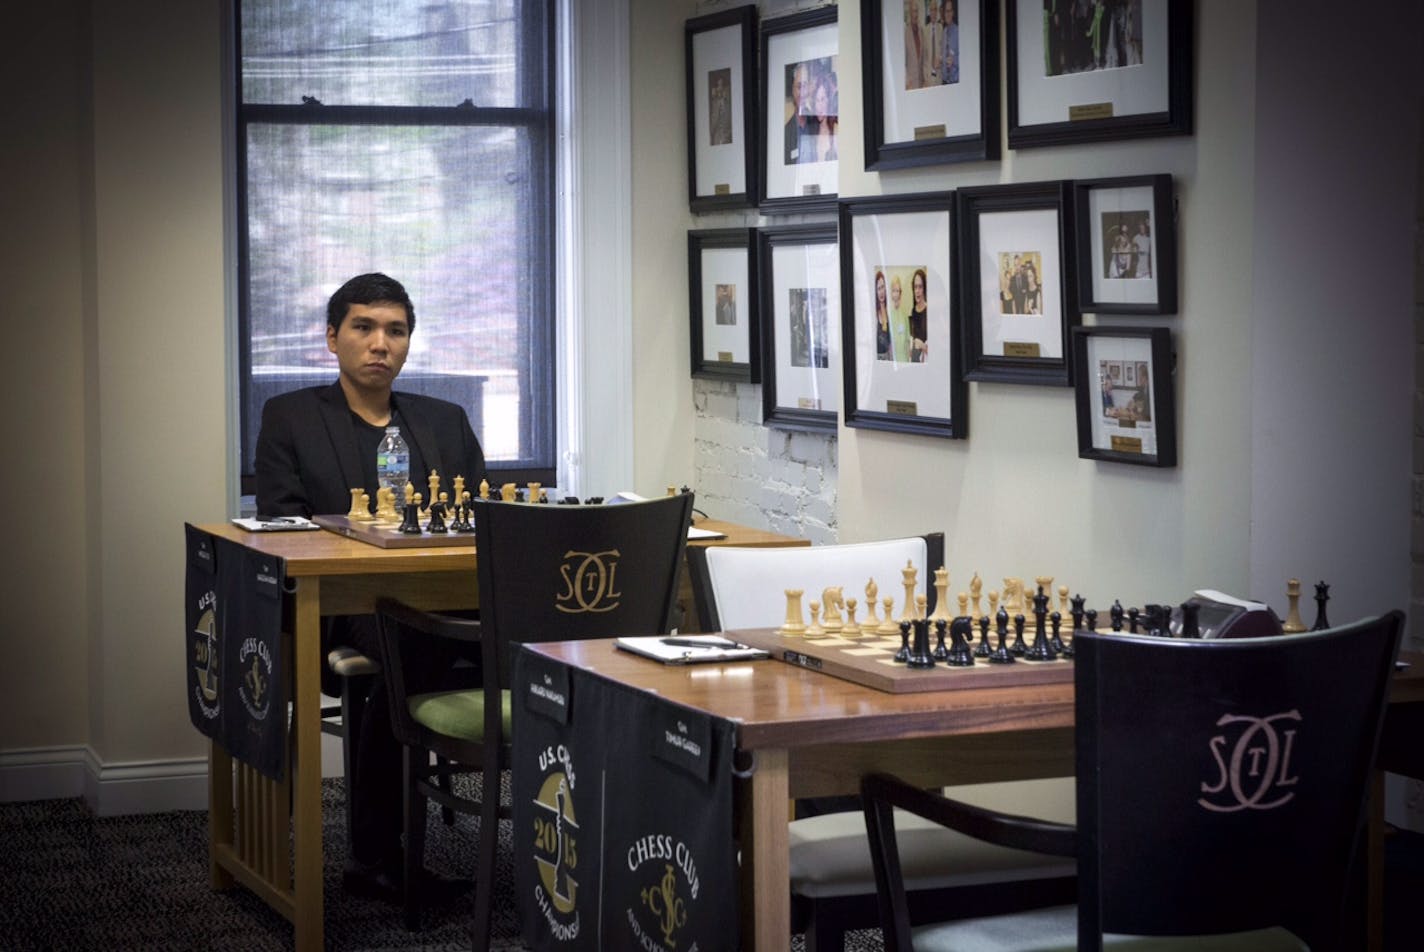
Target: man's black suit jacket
307,457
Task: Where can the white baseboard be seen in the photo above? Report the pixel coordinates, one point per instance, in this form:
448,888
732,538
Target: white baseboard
113,789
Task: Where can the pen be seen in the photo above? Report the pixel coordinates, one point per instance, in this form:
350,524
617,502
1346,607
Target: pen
699,643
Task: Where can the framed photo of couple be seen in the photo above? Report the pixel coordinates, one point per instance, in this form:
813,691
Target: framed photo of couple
930,73
799,279
726,343
721,109
1125,403
1091,71
1126,245
1018,282
900,340
801,112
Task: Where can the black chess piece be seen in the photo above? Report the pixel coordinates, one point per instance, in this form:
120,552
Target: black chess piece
1019,646
569,501
941,653
961,631
1191,625
1091,618
903,655
1322,595
457,517
436,524
1115,614
920,656
1132,616
983,651
1001,654
410,519
1151,619
1077,602
1055,640
1041,649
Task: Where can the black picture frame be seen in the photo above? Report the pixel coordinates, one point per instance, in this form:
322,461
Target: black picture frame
733,340
889,382
1150,95
794,179
800,341
1121,419
1126,245
1012,335
892,108
722,87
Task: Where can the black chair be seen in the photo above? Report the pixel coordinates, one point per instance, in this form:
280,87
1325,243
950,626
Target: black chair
546,573
1221,794
832,880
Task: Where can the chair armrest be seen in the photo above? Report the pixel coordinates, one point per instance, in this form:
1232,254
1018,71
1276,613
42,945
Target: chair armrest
452,627
401,630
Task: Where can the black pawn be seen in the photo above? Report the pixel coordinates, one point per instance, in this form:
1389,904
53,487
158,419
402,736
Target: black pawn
1115,615
920,656
983,651
1055,640
1077,602
1132,614
941,653
1191,626
960,654
1001,654
1019,646
1090,617
410,519
903,655
1322,595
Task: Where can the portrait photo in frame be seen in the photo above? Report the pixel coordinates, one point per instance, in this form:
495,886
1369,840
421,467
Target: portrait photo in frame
930,74
1092,72
799,278
722,85
1125,395
1126,245
1017,283
726,341
800,109
901,354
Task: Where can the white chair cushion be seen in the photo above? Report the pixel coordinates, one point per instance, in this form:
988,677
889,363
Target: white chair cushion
1056,930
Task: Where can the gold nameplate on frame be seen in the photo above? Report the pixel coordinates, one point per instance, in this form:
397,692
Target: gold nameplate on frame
931,132
1021,349
724,356
902,407
810,190
808,403
1094,110
1126,444
722,189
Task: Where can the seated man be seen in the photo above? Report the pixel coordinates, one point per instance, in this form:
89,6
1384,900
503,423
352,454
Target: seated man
314,447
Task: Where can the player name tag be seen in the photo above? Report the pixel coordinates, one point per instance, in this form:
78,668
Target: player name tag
810,190
808,403
722,189
1021,349
902,407
724,356
930,132
1093,110
1127,444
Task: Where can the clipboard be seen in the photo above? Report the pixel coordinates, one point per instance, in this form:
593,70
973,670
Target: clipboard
690,649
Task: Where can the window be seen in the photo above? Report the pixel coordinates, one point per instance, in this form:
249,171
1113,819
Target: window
411,137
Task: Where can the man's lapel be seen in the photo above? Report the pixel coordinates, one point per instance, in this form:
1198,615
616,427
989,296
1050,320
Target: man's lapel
336,416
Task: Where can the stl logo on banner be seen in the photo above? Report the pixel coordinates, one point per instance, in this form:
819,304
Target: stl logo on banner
207,656
556,845
667,866
1253,765
590,582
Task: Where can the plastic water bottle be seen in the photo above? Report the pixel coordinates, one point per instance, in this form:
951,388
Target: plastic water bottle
393,464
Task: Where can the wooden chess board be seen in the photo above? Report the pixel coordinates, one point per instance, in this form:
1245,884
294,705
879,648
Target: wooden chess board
870,661
387,536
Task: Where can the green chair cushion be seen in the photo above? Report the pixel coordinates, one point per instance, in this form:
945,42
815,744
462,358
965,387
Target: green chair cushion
458,714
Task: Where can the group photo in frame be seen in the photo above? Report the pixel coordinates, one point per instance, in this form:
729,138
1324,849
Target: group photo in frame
900,349
726,342
800,106
930,76
799,279
1125,400
1089,72
1017,275
722,156
1126,245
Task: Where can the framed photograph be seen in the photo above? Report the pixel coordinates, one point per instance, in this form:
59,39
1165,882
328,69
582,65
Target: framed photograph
1126,245
798,273
900,324
1086,72
721,109
930,73
726,343
1017,283
800,111
1125,402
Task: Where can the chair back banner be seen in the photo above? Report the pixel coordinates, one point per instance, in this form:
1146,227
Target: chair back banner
237,678
622,816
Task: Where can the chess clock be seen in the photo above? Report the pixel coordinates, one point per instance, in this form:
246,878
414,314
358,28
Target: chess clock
1225,616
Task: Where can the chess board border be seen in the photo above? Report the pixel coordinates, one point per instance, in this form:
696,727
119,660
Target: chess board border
894,678
385,536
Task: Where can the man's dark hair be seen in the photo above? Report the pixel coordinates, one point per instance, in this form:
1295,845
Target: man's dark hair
374,288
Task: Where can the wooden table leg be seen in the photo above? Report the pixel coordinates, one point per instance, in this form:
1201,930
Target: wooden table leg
220,827
766,878
306,767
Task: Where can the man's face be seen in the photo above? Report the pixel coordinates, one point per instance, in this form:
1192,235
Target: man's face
371,345
798,87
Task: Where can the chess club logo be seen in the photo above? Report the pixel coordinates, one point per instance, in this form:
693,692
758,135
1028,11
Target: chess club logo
667,866
556,845
590,582
254,661
206,656
1252,757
